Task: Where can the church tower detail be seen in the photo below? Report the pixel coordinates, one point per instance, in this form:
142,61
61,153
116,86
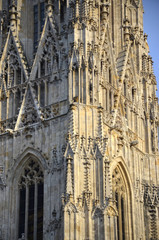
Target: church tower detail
78,122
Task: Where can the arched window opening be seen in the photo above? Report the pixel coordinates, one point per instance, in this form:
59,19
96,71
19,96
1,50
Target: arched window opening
121,195
31,202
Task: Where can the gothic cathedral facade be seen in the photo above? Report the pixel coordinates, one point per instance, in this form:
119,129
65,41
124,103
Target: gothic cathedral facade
78,122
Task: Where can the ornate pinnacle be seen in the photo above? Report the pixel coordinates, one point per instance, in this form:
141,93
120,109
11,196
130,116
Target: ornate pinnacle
13,14
105,9
69,177
126,29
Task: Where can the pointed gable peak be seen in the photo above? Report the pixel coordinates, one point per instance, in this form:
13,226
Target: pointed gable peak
29,113
69,151
14,52
48,46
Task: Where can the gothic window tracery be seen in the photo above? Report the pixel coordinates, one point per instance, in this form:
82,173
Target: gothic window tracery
12,71
12,76
31,202
120,195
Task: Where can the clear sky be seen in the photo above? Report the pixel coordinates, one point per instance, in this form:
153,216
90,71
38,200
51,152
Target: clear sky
151,27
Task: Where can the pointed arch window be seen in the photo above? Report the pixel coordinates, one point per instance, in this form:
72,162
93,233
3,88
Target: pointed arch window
31,202
122,197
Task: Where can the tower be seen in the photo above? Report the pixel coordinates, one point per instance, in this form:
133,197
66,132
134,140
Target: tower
78,122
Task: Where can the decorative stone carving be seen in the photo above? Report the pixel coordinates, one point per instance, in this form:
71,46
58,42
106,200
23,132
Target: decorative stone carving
85,99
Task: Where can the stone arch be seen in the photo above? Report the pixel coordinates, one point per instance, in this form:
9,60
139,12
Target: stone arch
120,162
123,192
13,185
98,212
20,162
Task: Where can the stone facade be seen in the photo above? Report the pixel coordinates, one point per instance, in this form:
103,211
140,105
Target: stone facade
78,122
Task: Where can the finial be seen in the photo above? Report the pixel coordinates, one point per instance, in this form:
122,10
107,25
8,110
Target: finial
49,7
105,9
126,29
145,37
13,14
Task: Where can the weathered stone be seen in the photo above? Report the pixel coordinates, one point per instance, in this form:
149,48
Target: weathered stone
78,122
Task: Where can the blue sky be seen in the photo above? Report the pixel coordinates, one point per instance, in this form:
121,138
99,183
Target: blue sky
151,27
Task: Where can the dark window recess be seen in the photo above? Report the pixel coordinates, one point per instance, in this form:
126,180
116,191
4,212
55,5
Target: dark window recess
36,89
17,101
117,204
22,212
122,217
31,212
19,76
39,20
42,94
42,68
124,89
42,16
62,10
40,212
110,76
31,200
110,101
35,27
6,80
11,77
126,116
